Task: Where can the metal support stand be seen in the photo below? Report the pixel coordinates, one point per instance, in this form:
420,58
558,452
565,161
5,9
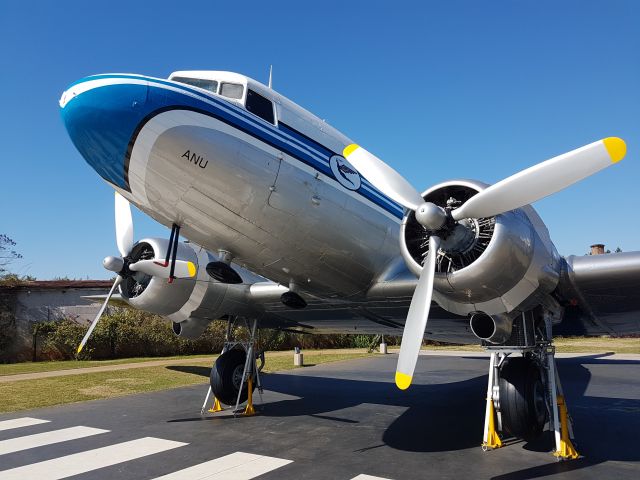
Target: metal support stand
541,348
490,438
249,368
560,422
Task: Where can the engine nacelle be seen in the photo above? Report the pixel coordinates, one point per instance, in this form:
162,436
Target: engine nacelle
493,265
190,303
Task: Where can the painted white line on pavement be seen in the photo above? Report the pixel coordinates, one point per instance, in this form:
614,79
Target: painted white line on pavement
236,466
47,438
83,462
20,422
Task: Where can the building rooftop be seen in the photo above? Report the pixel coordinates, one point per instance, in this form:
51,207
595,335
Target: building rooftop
56,284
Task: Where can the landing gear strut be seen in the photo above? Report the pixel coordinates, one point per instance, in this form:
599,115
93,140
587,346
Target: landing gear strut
235,373
524,391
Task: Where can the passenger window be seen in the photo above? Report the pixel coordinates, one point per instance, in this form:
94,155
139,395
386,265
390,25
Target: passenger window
260,106
231,90
210,85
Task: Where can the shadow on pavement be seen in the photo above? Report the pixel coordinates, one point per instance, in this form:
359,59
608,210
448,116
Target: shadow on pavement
449,416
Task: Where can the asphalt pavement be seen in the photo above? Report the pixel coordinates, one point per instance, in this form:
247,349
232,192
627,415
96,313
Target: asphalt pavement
343,420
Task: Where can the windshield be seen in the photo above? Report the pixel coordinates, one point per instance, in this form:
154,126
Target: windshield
211,85
232,90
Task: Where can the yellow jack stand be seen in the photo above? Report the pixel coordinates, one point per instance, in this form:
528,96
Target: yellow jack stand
216,407
567,451
493,440
249,410
490,438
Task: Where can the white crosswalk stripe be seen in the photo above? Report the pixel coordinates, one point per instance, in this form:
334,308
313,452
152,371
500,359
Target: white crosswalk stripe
368,477
237,466
89,460
46,438
20,422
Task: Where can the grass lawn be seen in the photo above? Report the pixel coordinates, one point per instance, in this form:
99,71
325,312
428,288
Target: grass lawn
570,345
597,345
44,392
191,370
33,367
563,345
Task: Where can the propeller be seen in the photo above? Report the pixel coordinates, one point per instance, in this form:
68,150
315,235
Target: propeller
183,269
520,189
117,282
125,268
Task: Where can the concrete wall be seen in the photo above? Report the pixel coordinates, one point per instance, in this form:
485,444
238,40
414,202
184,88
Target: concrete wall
23,306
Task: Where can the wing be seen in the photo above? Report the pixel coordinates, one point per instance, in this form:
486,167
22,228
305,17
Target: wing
116,300
603,294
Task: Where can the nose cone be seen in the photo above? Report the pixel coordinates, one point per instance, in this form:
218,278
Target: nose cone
101,117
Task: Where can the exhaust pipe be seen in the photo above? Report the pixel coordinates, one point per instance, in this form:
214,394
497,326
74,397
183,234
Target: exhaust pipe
494,329
191,328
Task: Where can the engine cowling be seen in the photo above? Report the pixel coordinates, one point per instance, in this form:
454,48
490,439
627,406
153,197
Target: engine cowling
493,265
190,303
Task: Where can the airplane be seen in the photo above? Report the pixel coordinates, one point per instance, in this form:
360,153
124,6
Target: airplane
292,225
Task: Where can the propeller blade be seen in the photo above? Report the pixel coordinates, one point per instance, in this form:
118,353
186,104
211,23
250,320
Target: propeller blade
544,179
183,269
383,177
124,225
417,318
100,312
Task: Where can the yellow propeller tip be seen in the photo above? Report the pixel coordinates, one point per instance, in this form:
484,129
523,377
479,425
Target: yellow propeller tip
349,149
192,269
616,148
403,380
79,349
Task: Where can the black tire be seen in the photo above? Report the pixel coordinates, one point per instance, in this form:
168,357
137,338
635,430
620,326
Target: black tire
226,375
522,398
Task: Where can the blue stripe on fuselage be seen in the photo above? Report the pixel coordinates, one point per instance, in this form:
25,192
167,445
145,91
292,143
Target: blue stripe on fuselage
283,138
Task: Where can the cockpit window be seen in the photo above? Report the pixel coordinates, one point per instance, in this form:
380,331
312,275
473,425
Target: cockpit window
211,85
231,90
260,106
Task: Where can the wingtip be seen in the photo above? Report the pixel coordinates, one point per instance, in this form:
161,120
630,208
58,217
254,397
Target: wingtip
616,147
403,381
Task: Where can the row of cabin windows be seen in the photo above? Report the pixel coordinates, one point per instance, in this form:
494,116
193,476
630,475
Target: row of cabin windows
229,90
256,103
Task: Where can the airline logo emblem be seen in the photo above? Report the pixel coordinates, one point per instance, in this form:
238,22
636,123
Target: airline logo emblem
344,172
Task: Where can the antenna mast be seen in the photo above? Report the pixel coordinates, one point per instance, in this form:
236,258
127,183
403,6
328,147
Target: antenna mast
270,75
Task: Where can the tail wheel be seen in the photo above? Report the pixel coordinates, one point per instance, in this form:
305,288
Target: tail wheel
226,377
522,398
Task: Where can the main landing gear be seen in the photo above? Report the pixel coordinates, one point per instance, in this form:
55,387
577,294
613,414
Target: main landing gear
524,391
235,373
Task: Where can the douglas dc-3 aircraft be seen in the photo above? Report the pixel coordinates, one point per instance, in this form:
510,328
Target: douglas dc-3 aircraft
291,225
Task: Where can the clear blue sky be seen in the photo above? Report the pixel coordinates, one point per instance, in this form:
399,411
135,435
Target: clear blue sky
440,90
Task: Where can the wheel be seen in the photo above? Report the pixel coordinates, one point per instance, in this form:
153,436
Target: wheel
522,398
226,376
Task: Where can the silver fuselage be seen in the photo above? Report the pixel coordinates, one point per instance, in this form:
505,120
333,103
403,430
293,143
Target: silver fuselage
277,196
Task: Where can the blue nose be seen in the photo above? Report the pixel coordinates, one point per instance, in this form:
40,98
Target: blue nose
101,119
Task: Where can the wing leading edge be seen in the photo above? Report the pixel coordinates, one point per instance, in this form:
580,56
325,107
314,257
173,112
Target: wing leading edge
603,294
